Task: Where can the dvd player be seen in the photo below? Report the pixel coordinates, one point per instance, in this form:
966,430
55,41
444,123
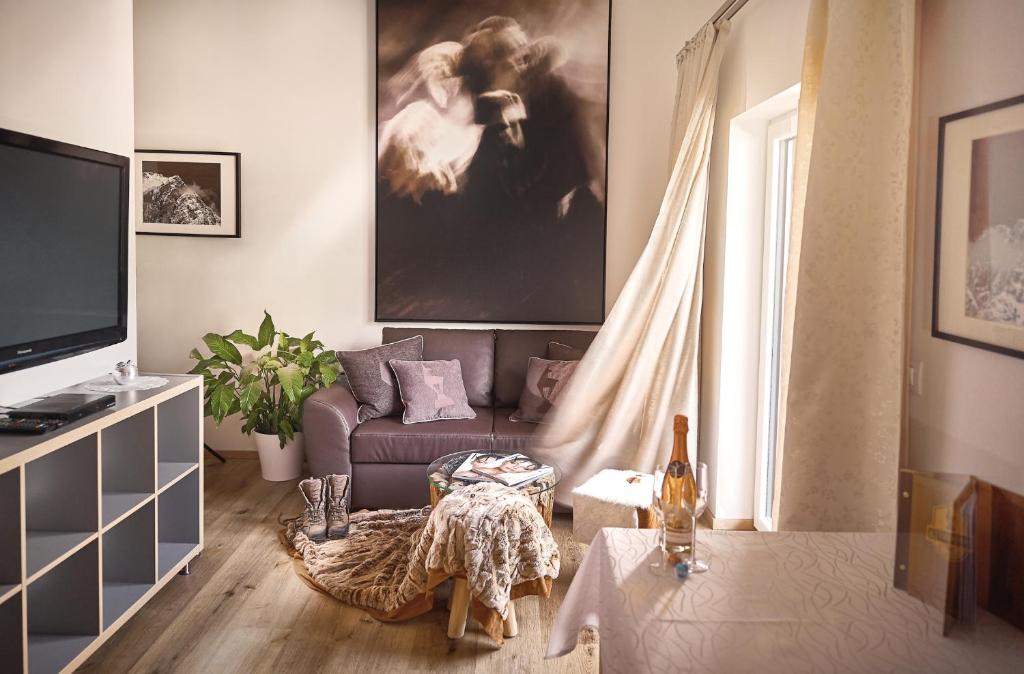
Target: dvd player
63,407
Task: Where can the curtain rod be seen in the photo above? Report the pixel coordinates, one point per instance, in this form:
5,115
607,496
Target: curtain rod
728,10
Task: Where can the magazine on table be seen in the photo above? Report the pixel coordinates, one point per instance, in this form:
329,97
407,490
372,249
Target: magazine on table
509,469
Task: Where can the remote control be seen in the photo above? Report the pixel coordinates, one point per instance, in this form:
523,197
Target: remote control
28,426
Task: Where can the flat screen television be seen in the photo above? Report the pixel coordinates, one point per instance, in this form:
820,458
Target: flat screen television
63,250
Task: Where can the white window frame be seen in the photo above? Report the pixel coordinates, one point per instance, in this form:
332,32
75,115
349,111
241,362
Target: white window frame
780,148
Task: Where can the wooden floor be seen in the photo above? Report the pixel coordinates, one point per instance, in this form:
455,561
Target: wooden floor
243,609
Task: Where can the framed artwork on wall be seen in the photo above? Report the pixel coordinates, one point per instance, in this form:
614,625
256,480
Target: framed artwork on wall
188,193
492,127
978,290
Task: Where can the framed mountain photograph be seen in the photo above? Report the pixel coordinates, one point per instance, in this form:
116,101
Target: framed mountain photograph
188,193
978,295
492,126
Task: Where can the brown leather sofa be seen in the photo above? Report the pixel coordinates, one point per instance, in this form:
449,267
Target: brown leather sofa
388,459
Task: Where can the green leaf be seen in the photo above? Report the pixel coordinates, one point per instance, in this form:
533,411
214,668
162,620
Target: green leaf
329,376
305,359
266,333
195,355
203,365
239,337
223,348
268,363
250,395
285,432
329,357
291,378
220,402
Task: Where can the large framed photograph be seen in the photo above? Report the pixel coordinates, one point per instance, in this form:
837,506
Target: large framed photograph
188,193
978,296
492,126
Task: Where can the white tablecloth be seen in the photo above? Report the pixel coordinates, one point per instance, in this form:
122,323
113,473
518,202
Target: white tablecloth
772,602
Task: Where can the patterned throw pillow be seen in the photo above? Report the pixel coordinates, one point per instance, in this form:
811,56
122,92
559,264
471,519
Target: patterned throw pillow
559,351
432,390
372,381
545,381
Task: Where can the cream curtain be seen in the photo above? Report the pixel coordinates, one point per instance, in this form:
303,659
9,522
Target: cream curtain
642,366
844,327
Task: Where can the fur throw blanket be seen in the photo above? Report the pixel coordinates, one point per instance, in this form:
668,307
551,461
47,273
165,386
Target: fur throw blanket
392,559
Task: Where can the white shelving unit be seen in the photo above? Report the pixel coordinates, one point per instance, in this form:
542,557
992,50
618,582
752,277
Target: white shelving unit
94,519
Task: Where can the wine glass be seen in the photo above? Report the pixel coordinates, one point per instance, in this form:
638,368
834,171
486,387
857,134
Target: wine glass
659,566
695,504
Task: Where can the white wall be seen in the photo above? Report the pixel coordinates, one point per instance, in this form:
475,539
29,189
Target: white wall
763,58
66,74
970,417
290,86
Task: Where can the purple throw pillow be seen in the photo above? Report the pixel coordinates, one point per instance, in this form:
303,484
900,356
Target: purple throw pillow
545,381
372,381
559,351
431,390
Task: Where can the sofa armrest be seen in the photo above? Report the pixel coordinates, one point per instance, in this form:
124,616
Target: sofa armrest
328,419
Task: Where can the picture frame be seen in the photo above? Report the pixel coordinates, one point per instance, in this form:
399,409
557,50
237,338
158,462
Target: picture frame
188,193
978,275
453,241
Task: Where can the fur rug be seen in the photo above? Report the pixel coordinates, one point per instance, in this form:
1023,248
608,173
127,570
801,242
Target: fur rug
392,559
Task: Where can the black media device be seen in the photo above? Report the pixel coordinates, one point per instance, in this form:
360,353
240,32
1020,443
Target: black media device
28,426
63,250
63,407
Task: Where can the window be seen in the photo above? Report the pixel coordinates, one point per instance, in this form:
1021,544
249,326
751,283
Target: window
779,155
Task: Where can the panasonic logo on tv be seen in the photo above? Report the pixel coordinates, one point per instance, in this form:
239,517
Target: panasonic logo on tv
22,352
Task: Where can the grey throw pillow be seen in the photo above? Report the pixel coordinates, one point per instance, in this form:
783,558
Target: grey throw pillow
372,381
559,351
432,390
545,381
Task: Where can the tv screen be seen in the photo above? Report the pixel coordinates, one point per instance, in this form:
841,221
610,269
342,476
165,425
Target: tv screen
63,251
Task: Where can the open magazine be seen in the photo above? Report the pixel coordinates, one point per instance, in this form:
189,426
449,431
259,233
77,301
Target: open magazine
509,469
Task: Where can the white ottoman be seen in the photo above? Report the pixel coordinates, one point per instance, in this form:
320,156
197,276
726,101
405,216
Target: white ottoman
612,498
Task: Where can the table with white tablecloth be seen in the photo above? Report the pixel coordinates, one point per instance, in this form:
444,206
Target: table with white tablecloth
772,602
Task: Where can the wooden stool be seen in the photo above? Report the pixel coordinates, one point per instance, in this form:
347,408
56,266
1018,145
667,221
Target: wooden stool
459,605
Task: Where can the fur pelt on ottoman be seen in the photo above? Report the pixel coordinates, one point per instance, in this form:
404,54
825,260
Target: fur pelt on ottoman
393,559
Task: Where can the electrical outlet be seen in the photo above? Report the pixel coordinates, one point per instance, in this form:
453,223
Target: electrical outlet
917,378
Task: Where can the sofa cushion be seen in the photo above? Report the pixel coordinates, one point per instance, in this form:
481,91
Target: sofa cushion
431,390
512,351
511,436
388,440
545,382
559,351
371,379
474,349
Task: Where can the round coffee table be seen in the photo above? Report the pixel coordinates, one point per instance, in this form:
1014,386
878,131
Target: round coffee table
541,491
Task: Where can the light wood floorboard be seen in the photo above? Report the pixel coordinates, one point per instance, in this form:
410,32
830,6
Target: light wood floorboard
243,609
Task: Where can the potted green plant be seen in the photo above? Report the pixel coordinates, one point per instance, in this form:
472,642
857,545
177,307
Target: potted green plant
266,378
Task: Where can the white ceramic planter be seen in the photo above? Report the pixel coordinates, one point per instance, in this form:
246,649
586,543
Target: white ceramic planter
276,464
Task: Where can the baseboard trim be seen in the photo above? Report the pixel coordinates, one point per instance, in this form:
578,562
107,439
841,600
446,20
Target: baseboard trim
238,453
709,520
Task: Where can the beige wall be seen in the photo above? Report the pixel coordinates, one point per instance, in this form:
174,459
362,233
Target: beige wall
762,59
289,85
969,414
66,74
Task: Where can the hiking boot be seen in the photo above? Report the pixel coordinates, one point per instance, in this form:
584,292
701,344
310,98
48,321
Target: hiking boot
314,521
337,506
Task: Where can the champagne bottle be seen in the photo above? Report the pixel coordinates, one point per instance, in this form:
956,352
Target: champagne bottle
678,487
